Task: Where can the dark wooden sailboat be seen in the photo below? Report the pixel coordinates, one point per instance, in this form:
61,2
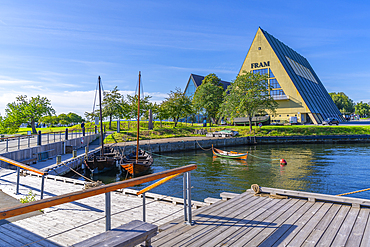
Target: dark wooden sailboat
107,157
138,162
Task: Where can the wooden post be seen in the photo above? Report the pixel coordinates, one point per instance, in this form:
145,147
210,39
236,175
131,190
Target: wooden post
59,159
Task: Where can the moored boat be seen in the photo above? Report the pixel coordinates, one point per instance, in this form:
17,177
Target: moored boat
137,167
138,162
107,158
229,154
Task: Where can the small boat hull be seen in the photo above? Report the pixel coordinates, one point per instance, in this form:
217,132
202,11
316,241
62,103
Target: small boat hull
134,168
229,155
99,164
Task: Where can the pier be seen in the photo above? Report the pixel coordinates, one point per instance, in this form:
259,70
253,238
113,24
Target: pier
299,220
277,218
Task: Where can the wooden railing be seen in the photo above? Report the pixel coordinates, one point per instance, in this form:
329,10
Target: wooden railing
104,189
28,168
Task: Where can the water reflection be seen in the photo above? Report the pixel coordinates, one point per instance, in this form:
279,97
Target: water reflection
330,169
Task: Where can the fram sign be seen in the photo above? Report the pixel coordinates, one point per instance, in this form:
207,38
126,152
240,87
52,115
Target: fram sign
260,65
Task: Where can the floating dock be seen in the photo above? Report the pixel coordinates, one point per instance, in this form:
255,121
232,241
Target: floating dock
303,219
298,219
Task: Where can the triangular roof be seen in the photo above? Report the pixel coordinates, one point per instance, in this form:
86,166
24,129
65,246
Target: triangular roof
310,88
198,79
298,70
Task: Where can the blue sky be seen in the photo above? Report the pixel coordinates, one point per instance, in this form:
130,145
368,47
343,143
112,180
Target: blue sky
57,49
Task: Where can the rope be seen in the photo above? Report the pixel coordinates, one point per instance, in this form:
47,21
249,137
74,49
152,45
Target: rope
353,192
170,157
258,192
78,173
261,157
201,147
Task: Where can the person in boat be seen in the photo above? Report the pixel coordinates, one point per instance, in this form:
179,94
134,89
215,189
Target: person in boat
83,124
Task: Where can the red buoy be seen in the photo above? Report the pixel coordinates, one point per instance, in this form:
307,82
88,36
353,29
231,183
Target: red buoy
283,162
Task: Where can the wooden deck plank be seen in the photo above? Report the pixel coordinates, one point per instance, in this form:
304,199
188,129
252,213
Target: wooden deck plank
306,229
298,225
319,230
285,225
331,231
231,219
180,220
358,230
174,234
30,235
201,210
366,239
251,212
176,224
264,233
48,232
9,237
289,225
317,196
346,228
18,235
242,227
3,243
267,222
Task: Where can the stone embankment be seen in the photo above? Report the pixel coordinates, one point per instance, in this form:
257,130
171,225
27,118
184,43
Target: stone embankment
196,143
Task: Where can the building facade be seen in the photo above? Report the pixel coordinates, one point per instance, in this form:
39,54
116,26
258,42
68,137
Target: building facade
292,82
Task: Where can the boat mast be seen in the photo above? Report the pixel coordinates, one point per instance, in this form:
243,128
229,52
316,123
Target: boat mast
101,121
138,122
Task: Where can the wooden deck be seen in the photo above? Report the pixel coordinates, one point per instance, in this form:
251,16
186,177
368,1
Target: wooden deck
248,220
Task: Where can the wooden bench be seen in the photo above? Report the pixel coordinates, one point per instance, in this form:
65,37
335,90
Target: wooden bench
130,234
44,155
29,161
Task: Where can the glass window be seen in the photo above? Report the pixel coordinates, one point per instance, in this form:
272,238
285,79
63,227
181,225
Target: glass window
274,84
190,90
260,71
271,74
277,92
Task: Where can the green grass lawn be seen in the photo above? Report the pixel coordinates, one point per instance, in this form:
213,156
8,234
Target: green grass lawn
167,130
183,130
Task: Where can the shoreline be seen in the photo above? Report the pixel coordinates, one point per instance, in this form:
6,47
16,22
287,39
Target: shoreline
193,143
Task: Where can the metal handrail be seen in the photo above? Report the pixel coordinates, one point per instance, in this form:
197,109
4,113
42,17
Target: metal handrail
51,132
26,167
21,165
104,189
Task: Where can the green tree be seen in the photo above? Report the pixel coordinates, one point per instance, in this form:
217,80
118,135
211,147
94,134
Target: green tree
362,109
50,120
178,105
28,111
343,102
209,96
74,118
161,112
110,104
64,119
124,110
247,95
145,105
91,115
7,127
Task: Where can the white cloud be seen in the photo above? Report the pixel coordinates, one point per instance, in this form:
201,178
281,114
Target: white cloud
68,101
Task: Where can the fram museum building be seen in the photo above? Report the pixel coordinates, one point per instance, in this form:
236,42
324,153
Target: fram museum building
293,83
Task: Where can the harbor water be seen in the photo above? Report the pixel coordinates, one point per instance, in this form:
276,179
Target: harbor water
321,168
